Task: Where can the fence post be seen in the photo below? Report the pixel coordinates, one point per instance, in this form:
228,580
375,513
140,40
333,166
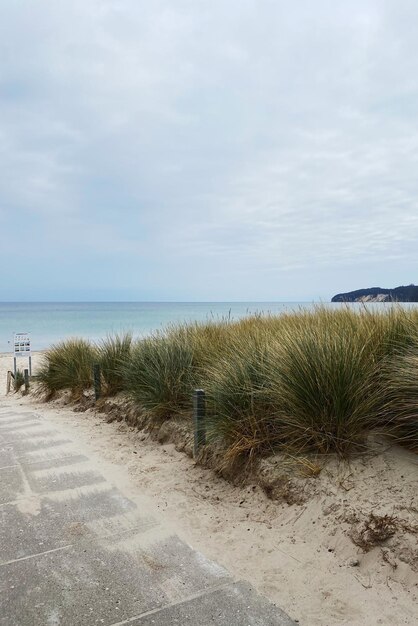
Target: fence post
26,376
9,381
199,410
97,381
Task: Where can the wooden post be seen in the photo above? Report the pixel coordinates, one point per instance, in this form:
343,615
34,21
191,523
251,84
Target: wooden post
26,376
199,410
97,381
9,381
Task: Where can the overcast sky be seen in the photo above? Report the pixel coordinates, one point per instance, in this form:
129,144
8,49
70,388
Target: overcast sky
207,149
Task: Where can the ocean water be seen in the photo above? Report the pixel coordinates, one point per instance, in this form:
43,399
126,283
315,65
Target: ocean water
49,322
53,321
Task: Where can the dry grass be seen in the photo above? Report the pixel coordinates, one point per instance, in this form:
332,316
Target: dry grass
375,530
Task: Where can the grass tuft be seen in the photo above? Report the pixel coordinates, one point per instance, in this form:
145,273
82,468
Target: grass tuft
114,353
401,410
159,377
67,365
18,381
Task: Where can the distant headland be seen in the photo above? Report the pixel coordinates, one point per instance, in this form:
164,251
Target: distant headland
377,294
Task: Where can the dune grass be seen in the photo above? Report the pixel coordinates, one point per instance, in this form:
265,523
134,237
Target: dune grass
401,377
306,382
67,365
159,376
319,380
19,380
113,354
310,381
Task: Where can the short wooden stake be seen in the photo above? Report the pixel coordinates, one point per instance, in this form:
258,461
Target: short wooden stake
97,381
9,381
199,412
26,376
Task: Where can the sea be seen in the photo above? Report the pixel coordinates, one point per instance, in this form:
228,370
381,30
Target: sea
50,322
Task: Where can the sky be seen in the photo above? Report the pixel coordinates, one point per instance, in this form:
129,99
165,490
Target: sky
212,150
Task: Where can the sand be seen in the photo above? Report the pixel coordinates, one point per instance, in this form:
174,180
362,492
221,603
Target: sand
299,555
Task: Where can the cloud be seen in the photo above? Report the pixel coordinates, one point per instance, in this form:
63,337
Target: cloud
231,144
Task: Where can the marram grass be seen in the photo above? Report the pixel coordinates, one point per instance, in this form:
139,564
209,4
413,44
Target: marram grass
19,380
319,380
67,365
401,411
113,353
159,375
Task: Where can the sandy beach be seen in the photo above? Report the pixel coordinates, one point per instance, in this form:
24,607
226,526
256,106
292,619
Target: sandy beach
303,555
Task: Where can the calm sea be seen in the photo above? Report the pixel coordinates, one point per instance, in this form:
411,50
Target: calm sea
50,322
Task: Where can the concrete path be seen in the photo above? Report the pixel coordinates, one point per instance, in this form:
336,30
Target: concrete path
75,551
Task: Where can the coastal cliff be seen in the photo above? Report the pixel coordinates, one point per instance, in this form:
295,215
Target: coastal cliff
378,294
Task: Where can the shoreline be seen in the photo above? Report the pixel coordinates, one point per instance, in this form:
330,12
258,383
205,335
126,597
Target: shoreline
34,352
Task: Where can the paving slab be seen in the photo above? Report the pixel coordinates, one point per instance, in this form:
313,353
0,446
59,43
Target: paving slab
16,420
12,436
26,445
11,483
89,584
54,481
45,454
12,427
51,522
233,605
76,551
54,463
7,457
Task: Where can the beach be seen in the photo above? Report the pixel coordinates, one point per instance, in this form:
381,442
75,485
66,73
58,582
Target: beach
299,554
209,225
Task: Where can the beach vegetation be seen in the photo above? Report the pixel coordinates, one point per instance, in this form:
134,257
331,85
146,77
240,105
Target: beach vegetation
401,411
114,353
18,381
67,365
158,376
314,381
